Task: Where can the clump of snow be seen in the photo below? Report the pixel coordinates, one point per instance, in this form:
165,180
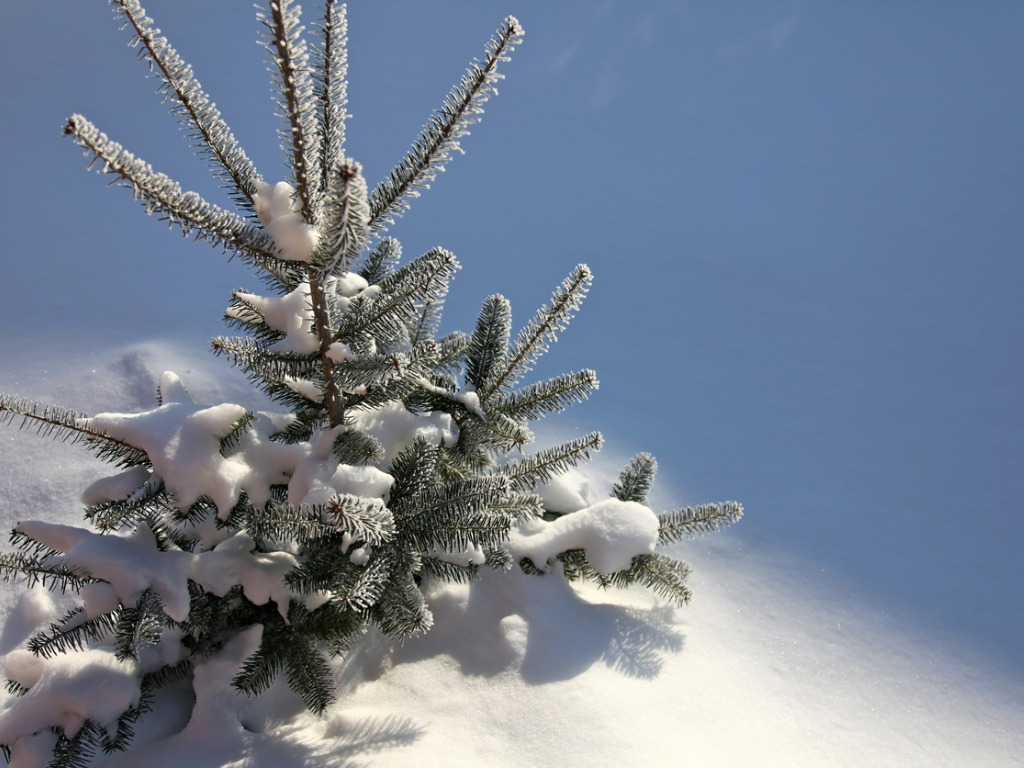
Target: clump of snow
276,209
261,574
182,440
567,492
318,477
115,488
395,427
290,315
130,564
612,532
66,691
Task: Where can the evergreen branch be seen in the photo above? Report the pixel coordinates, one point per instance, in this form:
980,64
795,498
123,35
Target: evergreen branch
308,674
664,575
34,571
338,627
541,331
364,586
191,104
443,570
520,506
402,610
244,313
689,522
414,470
636,479
139,625
455,499
258,671
230,441
552,396
254,356
72,633
187,210
382,260
295,97
381,369
355,447
269,370
344,219
411,371
480,439
457,531
541,467
332,86
364,519
488,346
74,751
391,313
576,567
451,349
67,425
433,148
148,502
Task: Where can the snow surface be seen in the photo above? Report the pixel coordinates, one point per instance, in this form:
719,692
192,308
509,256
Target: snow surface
772,665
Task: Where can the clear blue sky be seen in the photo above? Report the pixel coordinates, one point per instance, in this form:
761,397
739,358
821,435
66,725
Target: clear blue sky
805,220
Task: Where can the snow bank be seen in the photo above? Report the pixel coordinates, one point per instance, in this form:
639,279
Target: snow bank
771,665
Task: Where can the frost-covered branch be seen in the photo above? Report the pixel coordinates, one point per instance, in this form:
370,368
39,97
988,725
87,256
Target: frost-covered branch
535,338
552,396
401,292
191,104
296,100
344,220
162,195
540,467
332,87
689,522
636,479
432,149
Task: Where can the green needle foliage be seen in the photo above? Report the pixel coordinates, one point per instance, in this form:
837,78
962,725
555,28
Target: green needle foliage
324,522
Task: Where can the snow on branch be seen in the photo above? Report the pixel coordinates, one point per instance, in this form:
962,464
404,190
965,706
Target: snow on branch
64,424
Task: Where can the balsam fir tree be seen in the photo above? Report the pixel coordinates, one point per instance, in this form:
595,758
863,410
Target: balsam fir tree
399,456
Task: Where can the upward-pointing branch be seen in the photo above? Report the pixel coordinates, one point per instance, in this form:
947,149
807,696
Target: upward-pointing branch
192,104
434,146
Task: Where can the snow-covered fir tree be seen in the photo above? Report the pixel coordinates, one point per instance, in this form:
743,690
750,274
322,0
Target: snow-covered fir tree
397,456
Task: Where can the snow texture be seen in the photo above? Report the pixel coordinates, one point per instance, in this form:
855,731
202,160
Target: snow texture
275,207
611,532
775,663
66,691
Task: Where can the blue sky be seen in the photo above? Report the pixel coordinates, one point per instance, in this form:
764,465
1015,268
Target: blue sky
804,220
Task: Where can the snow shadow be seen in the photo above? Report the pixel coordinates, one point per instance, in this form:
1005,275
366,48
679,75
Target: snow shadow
541,628
370,735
